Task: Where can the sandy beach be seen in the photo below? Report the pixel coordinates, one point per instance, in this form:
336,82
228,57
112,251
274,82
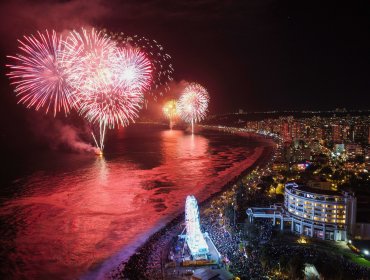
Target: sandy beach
170,226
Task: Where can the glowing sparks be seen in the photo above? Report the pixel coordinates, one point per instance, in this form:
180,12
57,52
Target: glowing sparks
170,111
193,103
105,78
134,69
112,106
162,69
95,55
109,80
87,70
40,72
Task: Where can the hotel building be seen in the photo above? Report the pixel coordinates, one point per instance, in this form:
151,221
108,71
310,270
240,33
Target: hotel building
319,213
314,212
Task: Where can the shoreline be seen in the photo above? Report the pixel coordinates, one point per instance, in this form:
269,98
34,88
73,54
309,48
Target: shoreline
129,265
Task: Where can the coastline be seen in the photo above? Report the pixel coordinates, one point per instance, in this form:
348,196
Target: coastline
170,228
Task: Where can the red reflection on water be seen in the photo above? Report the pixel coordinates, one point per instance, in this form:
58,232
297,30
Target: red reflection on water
96,211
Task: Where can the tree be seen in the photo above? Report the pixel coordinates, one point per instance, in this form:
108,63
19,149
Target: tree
329,270
251,231
265,258
326,170
295,268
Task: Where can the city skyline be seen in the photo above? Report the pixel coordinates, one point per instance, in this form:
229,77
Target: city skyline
185,140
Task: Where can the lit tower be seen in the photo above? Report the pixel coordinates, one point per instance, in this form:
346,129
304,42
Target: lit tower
194,238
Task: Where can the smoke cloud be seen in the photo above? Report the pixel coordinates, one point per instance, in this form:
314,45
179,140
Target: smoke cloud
58,135
176,88
68,135
24,17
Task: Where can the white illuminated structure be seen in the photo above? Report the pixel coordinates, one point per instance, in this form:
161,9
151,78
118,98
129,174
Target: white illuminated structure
194,238
314,212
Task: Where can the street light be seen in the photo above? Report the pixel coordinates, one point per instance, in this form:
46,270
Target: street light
234,212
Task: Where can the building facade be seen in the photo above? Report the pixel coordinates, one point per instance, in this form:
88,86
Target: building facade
320,213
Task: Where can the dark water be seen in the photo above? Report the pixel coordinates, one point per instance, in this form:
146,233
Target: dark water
66,215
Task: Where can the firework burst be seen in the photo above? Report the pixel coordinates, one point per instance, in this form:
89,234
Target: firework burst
162,69
112,106
93,55
170,111
109,80
193,103
104,79
133,69
40,73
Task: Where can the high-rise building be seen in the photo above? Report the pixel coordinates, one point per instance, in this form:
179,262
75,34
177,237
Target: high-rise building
285,133
361,133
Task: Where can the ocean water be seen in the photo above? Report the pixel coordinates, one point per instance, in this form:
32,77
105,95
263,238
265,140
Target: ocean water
77,215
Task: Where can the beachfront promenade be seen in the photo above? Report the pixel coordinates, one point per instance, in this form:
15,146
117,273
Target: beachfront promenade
248,250
148,262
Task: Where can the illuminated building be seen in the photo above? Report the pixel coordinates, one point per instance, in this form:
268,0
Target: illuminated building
298,130
327,134
298,151
315,147
353,150
324,214
252,125
280,166
320,213
361,133
337,133
316,133
285,133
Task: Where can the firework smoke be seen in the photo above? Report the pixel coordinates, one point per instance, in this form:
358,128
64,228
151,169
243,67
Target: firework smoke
88,71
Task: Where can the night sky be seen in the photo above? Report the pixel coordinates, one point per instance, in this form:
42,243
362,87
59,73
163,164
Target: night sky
255,55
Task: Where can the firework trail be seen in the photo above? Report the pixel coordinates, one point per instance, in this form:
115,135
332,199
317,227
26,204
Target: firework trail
170,111
110,107
104,79
109,80
162,69
40,72
193,104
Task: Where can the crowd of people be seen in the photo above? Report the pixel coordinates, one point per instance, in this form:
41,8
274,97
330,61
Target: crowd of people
231,246
248,251
148,262
330,266
239,255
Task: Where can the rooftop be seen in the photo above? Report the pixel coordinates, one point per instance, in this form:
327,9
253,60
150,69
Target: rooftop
312,190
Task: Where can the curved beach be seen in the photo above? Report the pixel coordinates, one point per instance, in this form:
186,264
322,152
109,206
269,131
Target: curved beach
79,216
147,257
